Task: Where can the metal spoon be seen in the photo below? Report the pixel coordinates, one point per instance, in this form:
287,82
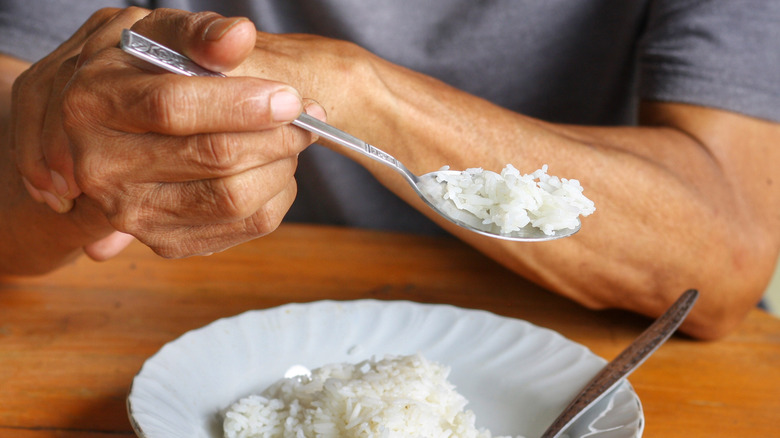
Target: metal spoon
626,362
426,186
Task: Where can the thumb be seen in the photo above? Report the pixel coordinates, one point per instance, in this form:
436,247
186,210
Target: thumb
211,40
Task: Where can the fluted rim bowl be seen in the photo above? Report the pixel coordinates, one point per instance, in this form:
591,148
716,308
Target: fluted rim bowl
517,376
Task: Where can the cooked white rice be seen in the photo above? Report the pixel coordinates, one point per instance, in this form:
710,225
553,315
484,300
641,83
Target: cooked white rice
399,396
506,202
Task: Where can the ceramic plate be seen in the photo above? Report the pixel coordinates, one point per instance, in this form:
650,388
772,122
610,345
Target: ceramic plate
516,376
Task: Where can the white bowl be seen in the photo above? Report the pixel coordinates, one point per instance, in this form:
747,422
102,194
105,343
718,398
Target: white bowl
517,377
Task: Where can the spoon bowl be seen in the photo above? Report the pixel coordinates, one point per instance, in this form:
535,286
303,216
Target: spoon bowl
431,190
426,186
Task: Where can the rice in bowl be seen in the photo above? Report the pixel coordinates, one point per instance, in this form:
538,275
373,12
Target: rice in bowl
398,396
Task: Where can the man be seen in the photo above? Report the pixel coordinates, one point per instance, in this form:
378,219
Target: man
685,195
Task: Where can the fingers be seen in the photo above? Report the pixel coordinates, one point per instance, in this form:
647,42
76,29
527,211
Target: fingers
202,216
55,148
154,207
211,40
208,237
165,159
132,100
27,125
30,103
40,146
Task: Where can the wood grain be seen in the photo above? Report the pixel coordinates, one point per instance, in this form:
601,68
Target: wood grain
71,341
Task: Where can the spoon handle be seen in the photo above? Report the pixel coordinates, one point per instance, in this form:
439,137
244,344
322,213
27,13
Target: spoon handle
340,137
626,362
161,56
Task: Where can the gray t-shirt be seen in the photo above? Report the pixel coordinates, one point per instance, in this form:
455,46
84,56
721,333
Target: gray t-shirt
567,61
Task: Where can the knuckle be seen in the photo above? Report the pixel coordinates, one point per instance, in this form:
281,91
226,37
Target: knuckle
164,246
127,211
233,199
293,140
268,218
201,19
262,223
189,22
216,152
127,221
169,245
134,13
103,15
169,106
90,177
98,19
92,172
169,251
101,181
107,14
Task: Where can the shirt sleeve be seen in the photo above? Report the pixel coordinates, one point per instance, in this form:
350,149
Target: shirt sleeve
32,29
718,53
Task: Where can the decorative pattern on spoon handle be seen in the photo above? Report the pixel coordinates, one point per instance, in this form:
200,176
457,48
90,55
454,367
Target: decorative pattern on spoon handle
162,56
336,135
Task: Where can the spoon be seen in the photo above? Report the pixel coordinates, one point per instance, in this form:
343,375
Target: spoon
427,187
624,364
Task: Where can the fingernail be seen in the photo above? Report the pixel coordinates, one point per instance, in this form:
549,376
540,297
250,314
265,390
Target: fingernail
34,193
60,185
56,203
218,28
315,110
285,106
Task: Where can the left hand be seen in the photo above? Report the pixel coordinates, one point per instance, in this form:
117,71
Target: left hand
40,147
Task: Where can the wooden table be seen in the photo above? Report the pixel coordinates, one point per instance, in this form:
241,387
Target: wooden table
71,342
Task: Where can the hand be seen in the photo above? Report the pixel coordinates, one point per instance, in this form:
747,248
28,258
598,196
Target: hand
36,137
39,143
41,149
187,165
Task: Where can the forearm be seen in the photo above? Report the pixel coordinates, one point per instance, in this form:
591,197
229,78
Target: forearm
671,209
